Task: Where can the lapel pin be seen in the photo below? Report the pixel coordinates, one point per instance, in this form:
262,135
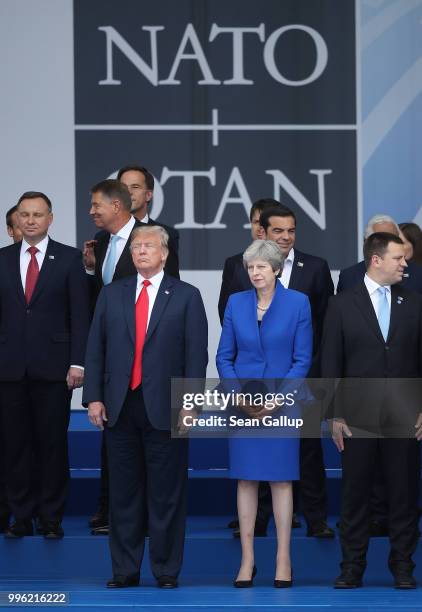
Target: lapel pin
406,275
166,292
399,299
300,264
51,257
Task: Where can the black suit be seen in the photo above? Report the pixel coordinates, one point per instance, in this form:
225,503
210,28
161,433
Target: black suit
311,276
353,347
39,341
125,268
412,280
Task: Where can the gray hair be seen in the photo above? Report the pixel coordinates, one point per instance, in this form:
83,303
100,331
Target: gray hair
267,250
369,230
151,229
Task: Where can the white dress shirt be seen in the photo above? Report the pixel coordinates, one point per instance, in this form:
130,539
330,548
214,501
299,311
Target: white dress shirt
152,290
123,233
25,257
145,219
374,294
287,269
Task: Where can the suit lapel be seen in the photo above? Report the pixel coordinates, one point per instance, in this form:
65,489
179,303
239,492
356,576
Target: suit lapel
298,270
129,296
48,268
364,304
396,311
16,272
164,294
100,253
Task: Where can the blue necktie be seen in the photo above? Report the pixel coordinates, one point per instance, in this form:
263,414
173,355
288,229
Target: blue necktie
383,312
110,263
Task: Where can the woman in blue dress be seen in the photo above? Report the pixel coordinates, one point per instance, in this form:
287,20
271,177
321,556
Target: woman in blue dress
267,334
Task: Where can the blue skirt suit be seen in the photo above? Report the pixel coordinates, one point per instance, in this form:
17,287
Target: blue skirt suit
280,348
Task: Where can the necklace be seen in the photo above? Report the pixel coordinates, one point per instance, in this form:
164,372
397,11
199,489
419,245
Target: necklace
261,308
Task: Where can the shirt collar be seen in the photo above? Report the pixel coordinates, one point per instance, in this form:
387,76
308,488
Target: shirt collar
145,219
290,257
372,286
154,280
41,246
125,231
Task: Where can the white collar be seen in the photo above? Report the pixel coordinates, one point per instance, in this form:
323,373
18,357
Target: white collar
154,280
41,246
125,231
372,286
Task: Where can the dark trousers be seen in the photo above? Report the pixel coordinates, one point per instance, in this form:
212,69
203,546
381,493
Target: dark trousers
309,492
399,460
4,506
34,419
104,479
148,471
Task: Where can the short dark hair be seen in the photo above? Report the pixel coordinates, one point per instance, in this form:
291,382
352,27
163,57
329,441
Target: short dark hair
114,190
275,211
377,244
9,214
149,179
32,195
261,205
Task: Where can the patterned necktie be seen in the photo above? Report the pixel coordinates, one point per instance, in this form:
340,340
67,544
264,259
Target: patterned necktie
110,263
383,312
141,318
32,274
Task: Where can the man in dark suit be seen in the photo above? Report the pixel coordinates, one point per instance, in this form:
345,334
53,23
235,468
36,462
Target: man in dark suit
107,258
133,353
310,275
412,280
140,183
44,321
372,339
412,277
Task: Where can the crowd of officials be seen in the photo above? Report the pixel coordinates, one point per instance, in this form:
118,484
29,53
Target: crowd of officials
117,320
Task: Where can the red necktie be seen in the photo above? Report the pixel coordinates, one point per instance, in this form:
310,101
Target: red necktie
141,317
32,274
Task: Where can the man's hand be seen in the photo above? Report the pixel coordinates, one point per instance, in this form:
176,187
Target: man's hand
182,427
75,378
339,430
89,255
97,414
418,427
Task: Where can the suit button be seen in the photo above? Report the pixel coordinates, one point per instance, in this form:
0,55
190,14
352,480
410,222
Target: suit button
28,310
387,347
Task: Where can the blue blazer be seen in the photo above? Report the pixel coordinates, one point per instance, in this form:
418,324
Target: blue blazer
44,338
175,346
281,348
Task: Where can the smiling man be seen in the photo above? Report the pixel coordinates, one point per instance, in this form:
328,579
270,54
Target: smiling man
147,328
44,321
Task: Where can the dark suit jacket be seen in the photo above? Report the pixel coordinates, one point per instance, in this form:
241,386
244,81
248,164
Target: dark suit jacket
43,339
175,346
412,278
354,349
125,265
310,275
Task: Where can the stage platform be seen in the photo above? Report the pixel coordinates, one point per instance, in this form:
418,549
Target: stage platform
79,565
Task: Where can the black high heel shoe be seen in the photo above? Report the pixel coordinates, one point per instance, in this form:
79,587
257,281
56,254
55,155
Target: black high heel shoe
244,584
283,584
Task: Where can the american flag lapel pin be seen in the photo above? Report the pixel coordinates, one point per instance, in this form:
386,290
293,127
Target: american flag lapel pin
300,264
51,257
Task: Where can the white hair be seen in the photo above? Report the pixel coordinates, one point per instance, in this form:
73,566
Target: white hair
369,230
